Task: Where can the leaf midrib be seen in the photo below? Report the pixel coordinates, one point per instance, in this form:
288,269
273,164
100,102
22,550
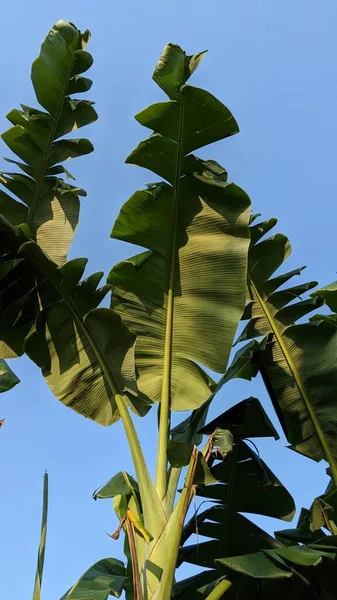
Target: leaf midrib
299,384
165,405
46,154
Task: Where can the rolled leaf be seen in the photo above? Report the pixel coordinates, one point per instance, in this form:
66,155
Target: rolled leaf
43,539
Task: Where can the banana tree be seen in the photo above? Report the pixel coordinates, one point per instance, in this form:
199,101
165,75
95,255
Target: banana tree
174,312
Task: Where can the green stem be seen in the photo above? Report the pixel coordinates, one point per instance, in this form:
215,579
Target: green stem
172,486
147,492
219,590
42,546
178,515
165,406
306,399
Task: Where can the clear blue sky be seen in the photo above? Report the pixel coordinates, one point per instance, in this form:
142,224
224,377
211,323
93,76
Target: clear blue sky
274,65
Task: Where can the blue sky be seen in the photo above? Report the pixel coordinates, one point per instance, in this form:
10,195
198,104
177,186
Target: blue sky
274,65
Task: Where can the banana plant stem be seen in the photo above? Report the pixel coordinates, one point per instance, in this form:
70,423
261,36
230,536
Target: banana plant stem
165,407
219,590
148,494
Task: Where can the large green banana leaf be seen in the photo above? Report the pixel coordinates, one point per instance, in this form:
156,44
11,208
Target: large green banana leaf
236,536
243,470
299,362
275,571
310,566
183,297
247,485
86,353
44,201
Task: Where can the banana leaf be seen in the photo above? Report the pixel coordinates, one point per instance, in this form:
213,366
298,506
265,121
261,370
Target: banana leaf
183,297
38,196
302,388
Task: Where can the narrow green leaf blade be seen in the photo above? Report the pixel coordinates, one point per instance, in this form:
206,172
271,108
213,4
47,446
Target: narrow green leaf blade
42,546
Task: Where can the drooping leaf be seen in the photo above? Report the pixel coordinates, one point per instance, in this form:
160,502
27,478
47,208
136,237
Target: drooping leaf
185,293
304,556
249,485
105,578
234,536
139,526
248,418
329,293
121,483
256,565
85,353
46,203
246,485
